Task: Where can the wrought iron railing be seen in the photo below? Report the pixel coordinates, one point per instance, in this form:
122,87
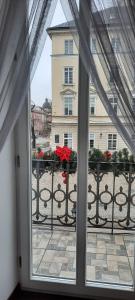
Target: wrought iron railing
111,194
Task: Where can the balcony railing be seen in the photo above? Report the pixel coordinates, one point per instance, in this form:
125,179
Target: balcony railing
111,194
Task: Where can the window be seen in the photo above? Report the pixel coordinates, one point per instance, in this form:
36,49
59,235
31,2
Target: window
91,140
112,141
68,47
92,105
114,103
114,73
91,80
56,138
115,44
93,45
68,75
68,139
68,105
134,73
133,104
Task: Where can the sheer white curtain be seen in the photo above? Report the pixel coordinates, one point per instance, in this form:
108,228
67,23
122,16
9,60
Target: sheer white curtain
23,27
113,29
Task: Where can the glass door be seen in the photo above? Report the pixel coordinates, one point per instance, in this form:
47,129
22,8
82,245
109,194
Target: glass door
63,245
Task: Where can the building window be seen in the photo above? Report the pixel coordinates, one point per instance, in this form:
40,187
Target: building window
68,75
114,103
68,105
91,80
68,47
114,74
56,138
115,44
91,140
133,104
68,140
92,105
93,45
112,141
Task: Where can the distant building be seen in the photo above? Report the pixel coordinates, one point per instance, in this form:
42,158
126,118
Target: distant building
102,132
41,119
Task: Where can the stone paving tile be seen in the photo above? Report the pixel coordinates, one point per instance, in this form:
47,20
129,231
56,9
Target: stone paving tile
37,255
109,258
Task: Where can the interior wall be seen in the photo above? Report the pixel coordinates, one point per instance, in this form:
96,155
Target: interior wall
8,235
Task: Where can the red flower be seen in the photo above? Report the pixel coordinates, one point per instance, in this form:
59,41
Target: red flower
39,155
63,153
107,155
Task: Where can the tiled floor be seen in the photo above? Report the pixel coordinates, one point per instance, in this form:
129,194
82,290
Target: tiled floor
110,258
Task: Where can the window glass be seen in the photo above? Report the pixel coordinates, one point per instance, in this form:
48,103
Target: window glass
114,103
91,140
115,41
68,47
68,140
112,141
68,75
68,105
56,138
93,45
92,105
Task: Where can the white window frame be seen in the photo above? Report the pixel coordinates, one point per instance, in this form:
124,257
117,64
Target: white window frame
68,138
69,75
93,44
112,139
114,103
68,44
68,104
116,45
91,138
92,100
23,191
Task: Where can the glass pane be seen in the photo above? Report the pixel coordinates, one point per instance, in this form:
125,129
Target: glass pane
54,170
111,204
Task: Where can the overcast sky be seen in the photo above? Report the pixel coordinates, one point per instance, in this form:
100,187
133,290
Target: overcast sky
41,84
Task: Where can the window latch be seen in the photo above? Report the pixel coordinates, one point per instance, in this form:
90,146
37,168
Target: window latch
18,161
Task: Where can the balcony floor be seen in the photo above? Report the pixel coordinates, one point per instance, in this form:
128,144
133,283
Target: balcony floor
110,258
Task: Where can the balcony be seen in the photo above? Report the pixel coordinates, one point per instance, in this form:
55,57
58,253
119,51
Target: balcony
110,220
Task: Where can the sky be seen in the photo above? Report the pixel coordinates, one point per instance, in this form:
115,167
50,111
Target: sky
41,84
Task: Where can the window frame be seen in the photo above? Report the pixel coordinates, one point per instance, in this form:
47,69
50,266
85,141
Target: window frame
69,99
69,81
112,140
90,134
58,138
93,98
116,44
68,139
23,192
68,49
113,103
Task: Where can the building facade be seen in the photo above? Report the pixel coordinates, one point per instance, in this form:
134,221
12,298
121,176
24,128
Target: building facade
102,132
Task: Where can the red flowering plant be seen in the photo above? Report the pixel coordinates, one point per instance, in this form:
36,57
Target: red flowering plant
107,155
67,159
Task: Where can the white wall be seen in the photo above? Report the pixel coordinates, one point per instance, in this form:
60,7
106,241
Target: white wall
8,236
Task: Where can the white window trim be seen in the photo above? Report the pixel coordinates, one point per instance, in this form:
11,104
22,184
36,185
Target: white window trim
68,52
112,97
72,75
23,175
116,141
93,97
64,138
69,97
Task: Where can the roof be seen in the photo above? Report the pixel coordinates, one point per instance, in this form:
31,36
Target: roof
110,15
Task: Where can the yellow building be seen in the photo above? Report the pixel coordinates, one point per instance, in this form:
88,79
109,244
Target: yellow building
102,133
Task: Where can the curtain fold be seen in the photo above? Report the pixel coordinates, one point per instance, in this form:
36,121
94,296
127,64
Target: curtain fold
23,33
113,28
